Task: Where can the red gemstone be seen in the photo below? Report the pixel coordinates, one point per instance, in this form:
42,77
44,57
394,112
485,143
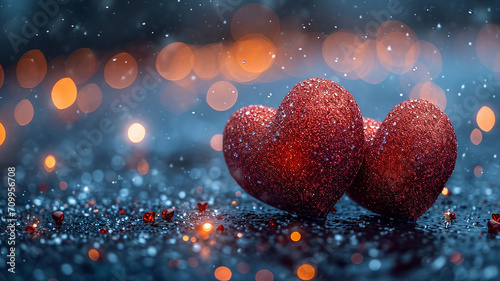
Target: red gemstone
29,228
220,228
149,217
493,226
496,217
122,212
103,231
167,214
58,216
202,206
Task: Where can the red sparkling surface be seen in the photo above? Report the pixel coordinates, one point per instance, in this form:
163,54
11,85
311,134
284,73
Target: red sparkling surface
103,231
149,217
493,226
496,217
167,214
406,167
202,206
301,157
220,228
58,216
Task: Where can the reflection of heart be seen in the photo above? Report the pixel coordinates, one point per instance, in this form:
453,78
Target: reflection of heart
302,157
407,162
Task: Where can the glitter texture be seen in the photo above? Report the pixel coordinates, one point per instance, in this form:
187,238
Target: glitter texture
405,168
302,157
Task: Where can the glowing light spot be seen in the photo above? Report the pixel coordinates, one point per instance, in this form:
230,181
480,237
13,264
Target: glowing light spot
63,185
2,134
341,51
488,46
306,272
478,171
476,136
64,93
193,239
239,235
136,133
192,262
50,163
89,98
457,258
254,53
185,238
94,254
120,71
207,227
222,95
256,19
357,258
175,61
143,167
295,236
234,202
81,65
223,273
485,118
445,191
430,92
216,142
205,62
264,275
23,113
31,69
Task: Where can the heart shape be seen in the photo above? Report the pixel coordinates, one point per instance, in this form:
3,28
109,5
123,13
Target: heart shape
301,157
407,160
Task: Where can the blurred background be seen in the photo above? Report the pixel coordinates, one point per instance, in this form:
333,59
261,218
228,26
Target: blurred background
120,101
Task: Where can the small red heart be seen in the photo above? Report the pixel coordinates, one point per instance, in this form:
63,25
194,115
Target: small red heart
301,157
496,217
411,157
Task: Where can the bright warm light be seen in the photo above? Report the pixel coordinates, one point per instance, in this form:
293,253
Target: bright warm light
216,142
485,118
295,236
64,93
254,53
50,163
222,95
476,136
223,273
445,191
23,113
185,238
2,134
35,225
94,254
207,227
239,235
306,272
120,71
136,132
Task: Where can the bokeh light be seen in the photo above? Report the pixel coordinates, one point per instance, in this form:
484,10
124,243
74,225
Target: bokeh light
478,171
306,272
431,92
23,113
216,142
255,19
49,163
357,258
430,58
341,51
136,133
175,61
31,69
264,275
223,273
485,118
3,134
445,191
143,167
295,236
205,62
254,53
488,46
89,98
222,95
476,136
94,254
120,71
207,227
64,93
243,267
81,65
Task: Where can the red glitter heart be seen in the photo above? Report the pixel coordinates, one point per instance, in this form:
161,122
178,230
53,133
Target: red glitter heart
301,157
411,157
